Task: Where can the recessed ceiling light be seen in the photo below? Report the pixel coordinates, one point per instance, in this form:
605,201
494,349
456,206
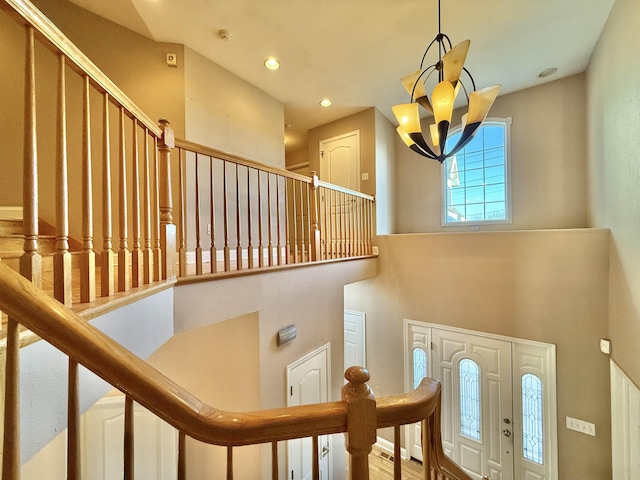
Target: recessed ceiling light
547,72
325,103
272,63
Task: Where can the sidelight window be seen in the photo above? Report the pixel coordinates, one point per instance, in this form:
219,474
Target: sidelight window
532,420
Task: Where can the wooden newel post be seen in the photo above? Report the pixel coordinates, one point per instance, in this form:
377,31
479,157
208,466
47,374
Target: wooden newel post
167,228
315,228
361,421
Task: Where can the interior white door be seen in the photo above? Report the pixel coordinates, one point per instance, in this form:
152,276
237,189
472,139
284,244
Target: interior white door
354,339
340,165
340,160
103,436
308,383
477,416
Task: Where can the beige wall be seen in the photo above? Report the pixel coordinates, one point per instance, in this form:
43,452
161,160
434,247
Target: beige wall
548,164
225,112
549,286
385,175
312,298
223,374
298,157
136,64
614,171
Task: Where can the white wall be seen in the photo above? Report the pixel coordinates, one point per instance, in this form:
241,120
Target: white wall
625,426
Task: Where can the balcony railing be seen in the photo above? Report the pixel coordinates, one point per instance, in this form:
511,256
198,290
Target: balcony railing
104,193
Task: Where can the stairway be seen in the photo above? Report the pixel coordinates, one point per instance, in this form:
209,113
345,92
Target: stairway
12,244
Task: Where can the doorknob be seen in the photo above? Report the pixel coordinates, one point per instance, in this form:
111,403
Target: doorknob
506,420
506,433
325,451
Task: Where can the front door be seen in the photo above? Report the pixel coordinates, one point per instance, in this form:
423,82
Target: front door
307,384
499,413
475,373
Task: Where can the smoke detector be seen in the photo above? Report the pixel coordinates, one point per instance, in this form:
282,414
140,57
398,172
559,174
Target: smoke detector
224,34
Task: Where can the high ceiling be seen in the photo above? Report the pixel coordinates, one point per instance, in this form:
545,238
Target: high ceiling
355,51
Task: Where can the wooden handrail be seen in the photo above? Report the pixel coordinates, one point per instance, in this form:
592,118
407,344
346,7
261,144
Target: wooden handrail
219,154
88,346
348,191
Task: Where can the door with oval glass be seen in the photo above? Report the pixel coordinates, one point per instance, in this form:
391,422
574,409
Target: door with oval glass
475,373
498,400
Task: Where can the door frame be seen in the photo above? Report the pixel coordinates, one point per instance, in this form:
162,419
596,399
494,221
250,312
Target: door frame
327,349
549,386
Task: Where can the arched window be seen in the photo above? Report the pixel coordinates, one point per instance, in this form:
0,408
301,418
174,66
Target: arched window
532,420
419,366
476,179
470,399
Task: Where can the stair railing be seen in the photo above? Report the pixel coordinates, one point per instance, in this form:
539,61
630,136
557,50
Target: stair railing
358,414
133,164
248,215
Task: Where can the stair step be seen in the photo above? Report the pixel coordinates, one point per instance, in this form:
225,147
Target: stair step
11,213
10,226
47,262
12,245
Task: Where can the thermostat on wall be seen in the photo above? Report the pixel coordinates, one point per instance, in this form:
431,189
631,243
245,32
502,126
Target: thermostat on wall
605,346
172,59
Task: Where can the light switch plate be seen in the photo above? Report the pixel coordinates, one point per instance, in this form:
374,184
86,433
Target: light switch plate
581,426
605,346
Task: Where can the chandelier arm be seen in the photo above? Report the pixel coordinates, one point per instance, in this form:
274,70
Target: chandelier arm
413,91
473,83
467,135
444,35
419,151
427,51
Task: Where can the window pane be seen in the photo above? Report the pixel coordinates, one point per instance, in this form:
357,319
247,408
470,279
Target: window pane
494,175
493,136
474,177
477,176
470,399
495,211
475,212
419,366
475,195
532,435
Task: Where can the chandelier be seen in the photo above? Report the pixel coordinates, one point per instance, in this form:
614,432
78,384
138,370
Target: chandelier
449,68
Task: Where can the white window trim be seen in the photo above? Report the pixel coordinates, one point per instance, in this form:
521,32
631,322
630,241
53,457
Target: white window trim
507,175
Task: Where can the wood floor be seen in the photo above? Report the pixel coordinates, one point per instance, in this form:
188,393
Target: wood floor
381,467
